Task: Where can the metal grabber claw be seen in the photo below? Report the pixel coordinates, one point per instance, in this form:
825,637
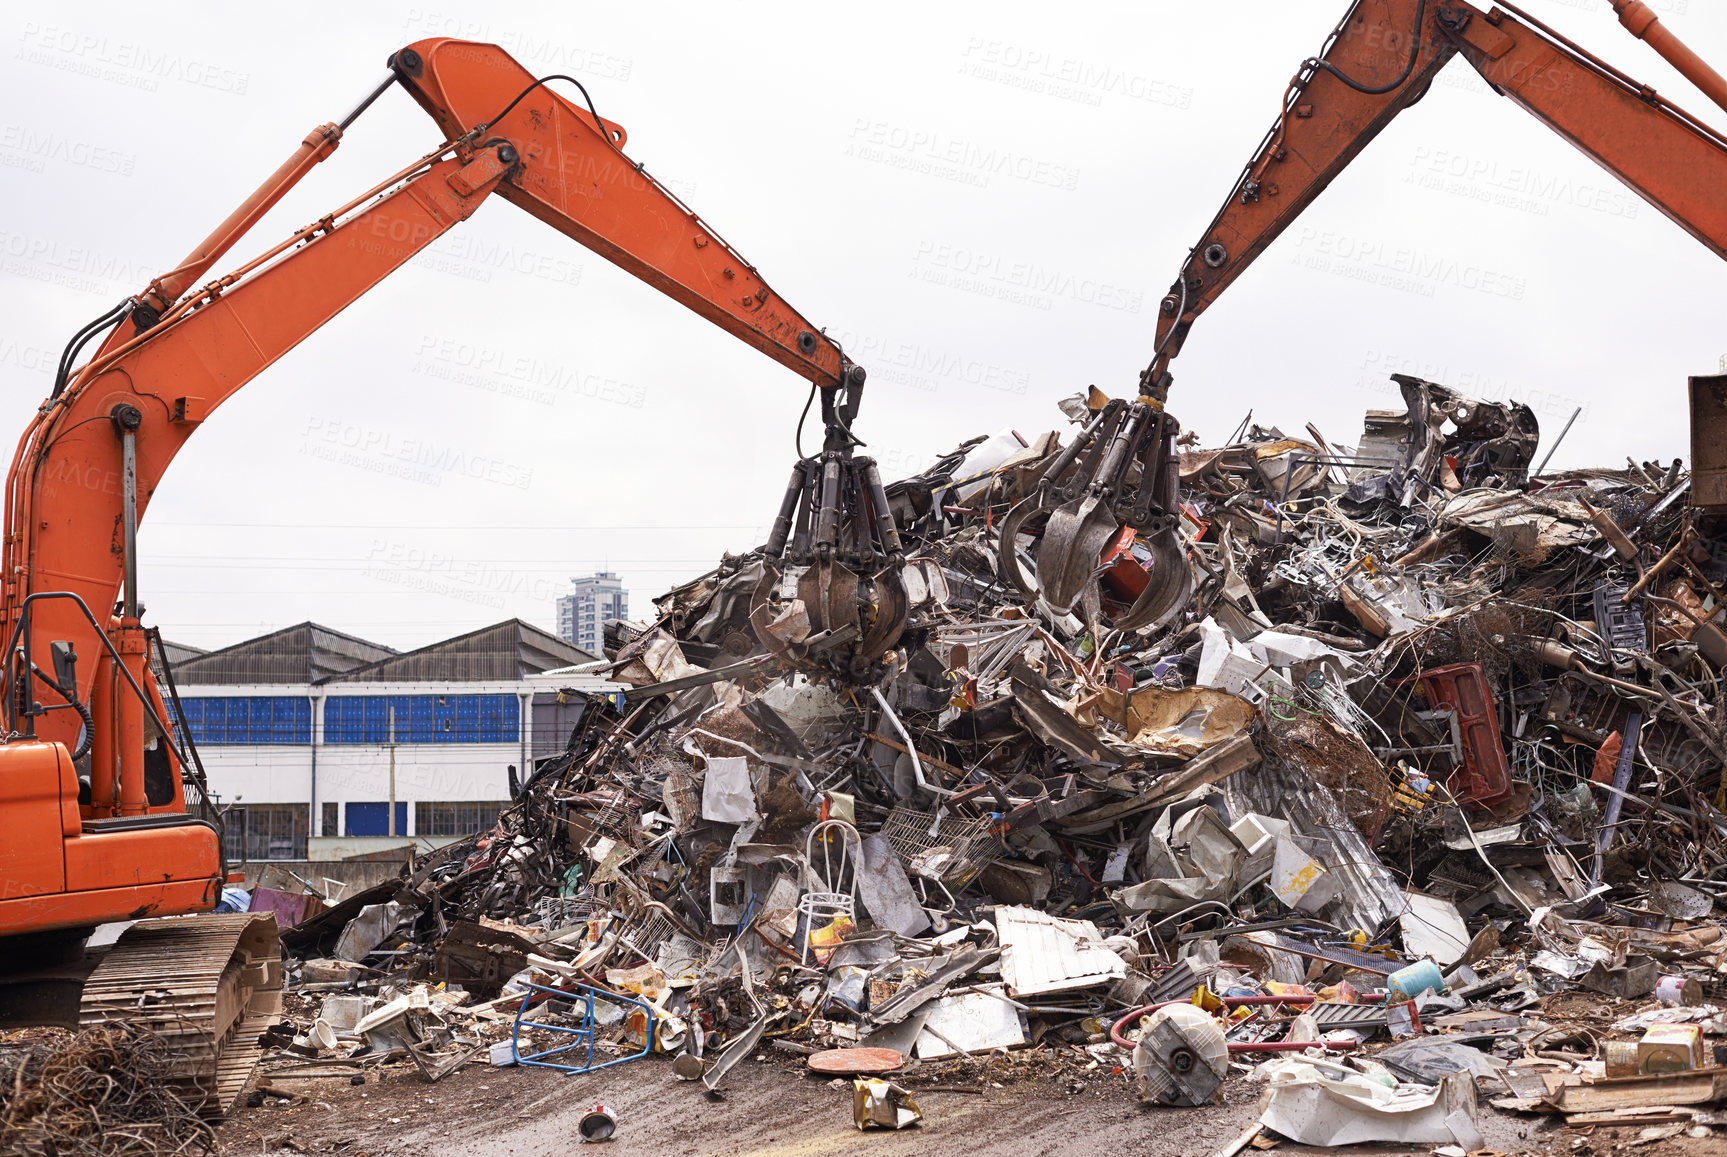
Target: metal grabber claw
1120,469
831,596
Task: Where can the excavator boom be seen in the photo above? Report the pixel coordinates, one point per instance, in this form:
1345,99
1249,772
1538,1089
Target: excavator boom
508,134
126,842
1382,59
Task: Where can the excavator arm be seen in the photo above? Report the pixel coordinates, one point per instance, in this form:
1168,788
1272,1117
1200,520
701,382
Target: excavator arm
86,467
1381,60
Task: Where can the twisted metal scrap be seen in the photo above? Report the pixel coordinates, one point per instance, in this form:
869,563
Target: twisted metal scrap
95,1091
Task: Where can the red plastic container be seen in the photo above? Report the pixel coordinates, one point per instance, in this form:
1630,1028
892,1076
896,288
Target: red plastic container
1485,777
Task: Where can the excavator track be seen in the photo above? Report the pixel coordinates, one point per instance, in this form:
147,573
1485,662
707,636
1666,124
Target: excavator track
208,985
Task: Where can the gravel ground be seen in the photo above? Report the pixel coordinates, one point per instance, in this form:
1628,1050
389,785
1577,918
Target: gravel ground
771,1109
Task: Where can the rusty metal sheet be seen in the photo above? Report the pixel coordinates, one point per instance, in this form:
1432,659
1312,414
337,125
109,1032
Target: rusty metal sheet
856,1062
1709,442
1698,1087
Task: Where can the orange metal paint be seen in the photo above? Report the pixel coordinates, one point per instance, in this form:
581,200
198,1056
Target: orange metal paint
1642,23
1670,158
188,349
87,909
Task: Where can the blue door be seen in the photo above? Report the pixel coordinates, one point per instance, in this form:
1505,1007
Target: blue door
373,819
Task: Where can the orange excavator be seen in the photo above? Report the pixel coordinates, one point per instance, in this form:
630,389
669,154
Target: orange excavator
105,805
1381,59
107,817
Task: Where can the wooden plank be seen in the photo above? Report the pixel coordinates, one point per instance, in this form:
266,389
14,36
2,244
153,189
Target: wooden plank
1699,1087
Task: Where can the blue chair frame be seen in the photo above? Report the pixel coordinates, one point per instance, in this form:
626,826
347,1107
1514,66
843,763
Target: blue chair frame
584,1036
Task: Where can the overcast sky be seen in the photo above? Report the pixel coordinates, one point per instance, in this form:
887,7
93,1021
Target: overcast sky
898,172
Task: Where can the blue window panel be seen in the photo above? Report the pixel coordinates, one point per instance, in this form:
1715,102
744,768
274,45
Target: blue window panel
373,819
430,719
251,719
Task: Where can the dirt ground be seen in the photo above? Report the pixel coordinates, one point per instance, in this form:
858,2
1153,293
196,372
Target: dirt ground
771,1109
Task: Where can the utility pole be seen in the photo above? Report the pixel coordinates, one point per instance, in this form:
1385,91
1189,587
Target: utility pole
392,712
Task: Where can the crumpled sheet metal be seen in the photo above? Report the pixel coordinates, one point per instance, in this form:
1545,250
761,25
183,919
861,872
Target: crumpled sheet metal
1246,790
1042,953
1369,894
1316,1102
1558,520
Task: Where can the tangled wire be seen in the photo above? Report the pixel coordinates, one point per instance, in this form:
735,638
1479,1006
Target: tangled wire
102,1090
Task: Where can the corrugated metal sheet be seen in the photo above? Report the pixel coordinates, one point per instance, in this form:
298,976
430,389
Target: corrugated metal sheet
1044,953
304,653
503,652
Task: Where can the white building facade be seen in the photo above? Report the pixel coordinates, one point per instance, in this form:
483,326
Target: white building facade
298,763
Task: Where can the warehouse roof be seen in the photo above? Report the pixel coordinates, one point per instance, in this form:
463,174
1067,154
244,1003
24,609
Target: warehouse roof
505,651
303,653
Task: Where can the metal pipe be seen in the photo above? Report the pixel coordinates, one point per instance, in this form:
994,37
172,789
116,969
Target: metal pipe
1642,23
104,782
782,527
910,747
1621,779
883,512
828,519
129,495
342,125
134,798
1556,442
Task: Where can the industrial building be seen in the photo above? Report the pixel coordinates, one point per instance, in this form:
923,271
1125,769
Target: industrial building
310,735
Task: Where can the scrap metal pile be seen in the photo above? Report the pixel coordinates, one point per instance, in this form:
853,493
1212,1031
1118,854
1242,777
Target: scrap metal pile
1424,723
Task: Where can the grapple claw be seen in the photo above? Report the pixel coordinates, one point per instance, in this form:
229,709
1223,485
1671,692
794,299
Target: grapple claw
1121,469
834,527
